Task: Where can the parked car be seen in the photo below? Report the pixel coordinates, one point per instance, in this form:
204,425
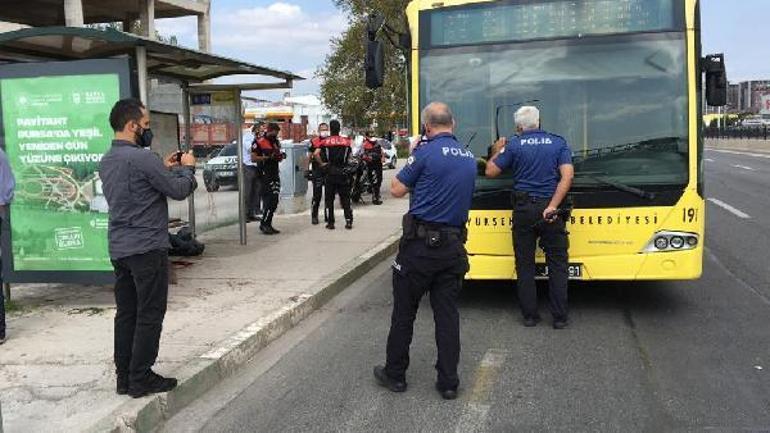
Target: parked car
222,169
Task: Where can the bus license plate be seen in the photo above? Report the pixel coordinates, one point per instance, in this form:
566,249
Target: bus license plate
574,270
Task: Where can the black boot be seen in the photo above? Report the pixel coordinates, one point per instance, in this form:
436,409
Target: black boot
349,224
384,380
152,384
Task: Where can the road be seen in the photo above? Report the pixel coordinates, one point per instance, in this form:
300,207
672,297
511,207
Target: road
646,357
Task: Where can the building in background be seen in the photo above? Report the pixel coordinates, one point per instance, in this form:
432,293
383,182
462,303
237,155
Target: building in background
745,97
79,13
305,110
750,95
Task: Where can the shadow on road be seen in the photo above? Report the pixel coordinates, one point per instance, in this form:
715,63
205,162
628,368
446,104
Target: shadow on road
647,297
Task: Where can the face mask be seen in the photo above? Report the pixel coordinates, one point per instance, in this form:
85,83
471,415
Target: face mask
145,138
323,134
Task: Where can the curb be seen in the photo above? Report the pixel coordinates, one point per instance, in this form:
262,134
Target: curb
147,414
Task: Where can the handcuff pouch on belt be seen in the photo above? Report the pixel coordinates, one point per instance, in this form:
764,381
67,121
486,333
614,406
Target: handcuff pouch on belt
434,235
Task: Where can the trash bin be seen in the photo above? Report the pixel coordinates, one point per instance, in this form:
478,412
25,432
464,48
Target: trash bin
293,182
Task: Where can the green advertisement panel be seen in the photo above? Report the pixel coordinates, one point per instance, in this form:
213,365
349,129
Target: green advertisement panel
56,130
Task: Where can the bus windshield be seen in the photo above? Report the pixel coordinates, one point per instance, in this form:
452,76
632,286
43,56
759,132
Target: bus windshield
620,101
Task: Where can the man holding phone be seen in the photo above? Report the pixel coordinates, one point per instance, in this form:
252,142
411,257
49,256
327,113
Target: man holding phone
137,185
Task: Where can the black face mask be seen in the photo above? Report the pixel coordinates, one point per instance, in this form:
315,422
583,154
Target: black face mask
145,138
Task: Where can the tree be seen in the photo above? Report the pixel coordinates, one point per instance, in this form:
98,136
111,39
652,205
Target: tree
342,74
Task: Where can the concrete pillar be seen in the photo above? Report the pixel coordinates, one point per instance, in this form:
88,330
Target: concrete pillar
147,18
204,30
141,72
73,13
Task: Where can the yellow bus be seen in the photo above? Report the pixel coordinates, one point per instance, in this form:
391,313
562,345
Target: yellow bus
621,80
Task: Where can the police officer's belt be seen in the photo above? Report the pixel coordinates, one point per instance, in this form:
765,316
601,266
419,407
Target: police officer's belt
415,228
524,197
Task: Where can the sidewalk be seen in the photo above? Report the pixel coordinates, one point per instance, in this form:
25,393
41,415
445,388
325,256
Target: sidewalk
56,371
746,145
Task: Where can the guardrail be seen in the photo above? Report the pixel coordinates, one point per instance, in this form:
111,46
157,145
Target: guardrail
749,133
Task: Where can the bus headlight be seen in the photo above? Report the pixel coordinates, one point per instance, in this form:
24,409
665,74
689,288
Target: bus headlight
677,242
671,241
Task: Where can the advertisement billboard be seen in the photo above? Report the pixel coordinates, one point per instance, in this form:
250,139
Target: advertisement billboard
55,130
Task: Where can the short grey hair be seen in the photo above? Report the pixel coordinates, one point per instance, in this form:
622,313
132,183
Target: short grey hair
527,118
438,114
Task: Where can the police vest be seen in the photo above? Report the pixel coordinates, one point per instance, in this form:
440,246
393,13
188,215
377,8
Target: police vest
336,151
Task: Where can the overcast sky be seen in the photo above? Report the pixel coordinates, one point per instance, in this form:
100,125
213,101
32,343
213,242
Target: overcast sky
294,35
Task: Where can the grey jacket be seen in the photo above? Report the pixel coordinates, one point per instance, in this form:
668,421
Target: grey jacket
136,184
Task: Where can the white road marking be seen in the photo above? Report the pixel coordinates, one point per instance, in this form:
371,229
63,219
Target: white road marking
743,167
735,152
730,209
475,412
709,160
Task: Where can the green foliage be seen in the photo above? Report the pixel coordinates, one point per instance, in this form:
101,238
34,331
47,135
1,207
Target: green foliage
342,75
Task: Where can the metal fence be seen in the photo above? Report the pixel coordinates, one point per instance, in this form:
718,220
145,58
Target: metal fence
749,133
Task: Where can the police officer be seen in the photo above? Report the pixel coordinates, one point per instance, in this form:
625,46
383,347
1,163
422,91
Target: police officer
542,170
316,172
268,154
372,156
252,181
432,258
334,157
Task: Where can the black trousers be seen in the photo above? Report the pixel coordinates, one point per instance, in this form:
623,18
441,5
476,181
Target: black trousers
419,269
318,190
252,190
554,241
338,185
141,295
271,189
374,171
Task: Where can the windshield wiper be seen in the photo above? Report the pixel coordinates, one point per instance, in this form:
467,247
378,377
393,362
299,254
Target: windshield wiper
620,186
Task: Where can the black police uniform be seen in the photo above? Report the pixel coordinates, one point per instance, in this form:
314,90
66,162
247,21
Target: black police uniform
373,158
317,178
270,147
336,151
432,256
535,158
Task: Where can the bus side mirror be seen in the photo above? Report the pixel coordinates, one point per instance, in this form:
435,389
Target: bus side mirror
374,64
716,80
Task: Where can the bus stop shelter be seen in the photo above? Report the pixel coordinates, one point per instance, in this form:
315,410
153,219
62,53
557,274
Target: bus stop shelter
147,58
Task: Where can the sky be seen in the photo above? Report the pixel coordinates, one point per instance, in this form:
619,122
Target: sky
294,35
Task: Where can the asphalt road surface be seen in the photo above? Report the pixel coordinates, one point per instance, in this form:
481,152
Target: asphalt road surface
642,357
